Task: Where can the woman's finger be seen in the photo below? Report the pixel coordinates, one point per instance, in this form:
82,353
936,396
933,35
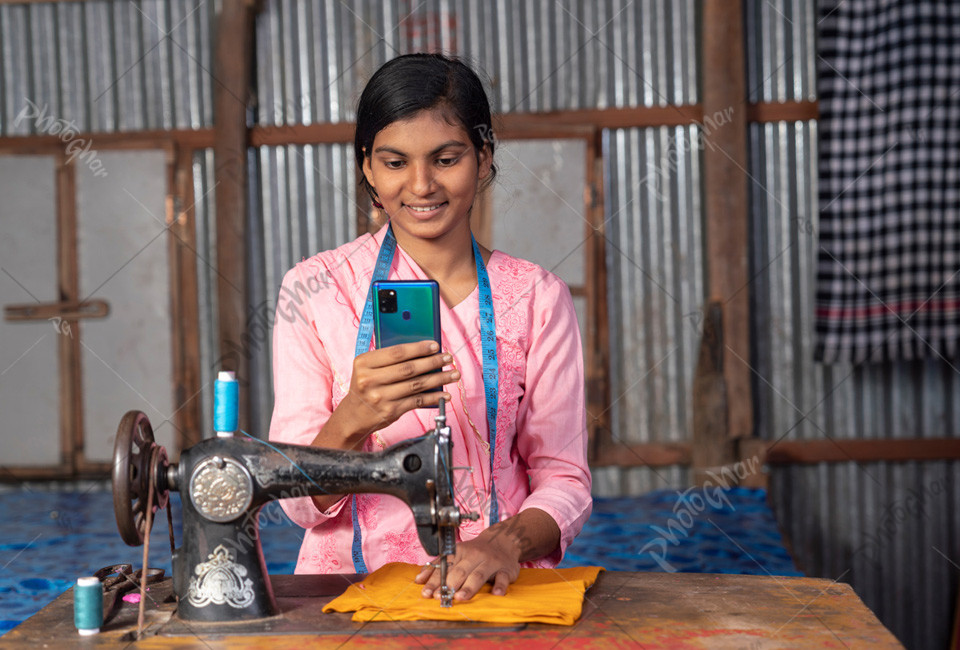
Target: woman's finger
395,354
418,368
474,581
501,583
430,577
424,574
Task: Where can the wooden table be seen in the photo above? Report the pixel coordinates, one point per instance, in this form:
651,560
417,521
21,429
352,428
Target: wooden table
622,610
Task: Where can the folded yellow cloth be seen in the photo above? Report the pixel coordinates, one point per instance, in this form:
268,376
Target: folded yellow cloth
538,596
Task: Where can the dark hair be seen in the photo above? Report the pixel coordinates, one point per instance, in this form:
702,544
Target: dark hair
412,83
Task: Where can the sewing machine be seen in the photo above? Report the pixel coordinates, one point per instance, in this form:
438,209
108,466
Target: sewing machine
219,570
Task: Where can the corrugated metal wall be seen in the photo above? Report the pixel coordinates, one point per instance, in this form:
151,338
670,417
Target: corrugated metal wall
107,66
655,278
205,213
314,56
892,530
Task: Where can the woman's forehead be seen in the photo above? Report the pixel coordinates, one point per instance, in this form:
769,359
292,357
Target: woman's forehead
429,125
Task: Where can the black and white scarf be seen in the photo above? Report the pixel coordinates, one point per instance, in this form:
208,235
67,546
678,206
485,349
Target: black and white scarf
888,279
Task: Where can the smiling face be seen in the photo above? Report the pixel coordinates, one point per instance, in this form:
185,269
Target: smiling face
426,173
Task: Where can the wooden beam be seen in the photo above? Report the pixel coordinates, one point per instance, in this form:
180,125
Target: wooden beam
793,452
726,201
323,133
87,470
648,454
790,452
783,112
556,124
47,144
606,118
95,308
231,92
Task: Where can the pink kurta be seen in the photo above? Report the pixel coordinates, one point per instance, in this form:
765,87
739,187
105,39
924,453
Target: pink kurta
540,457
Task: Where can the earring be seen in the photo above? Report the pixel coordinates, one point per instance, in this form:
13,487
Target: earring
377,204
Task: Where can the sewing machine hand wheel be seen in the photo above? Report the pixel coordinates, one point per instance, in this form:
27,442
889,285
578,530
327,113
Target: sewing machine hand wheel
138,461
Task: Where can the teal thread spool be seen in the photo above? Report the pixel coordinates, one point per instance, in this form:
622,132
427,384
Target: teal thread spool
88,605
226,399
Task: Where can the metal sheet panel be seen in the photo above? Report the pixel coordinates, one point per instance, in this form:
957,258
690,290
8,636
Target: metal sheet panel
313,56
889,529
106,66
781,50
655,278
636,481
302,201
789,387
206,246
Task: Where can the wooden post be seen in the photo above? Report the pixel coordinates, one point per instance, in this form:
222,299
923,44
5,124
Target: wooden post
184,308
597,343
711,447
232,71
68,285
724,130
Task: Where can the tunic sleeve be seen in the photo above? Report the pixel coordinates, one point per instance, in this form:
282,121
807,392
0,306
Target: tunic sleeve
302,383
551,421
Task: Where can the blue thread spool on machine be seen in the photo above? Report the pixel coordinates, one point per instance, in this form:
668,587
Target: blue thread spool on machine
226,404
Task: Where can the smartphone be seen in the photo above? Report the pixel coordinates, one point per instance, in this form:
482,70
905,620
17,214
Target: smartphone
406,311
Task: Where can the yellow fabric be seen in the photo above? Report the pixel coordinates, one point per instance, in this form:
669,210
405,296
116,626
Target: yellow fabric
538,596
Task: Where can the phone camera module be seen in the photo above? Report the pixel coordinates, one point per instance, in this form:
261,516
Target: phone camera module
387,299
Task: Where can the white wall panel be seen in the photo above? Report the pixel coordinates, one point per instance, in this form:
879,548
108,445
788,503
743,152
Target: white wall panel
29,397
122,240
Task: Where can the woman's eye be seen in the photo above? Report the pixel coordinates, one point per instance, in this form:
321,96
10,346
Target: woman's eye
446,162
393,164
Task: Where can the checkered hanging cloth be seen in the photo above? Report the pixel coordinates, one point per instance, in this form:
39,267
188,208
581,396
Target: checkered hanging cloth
888,277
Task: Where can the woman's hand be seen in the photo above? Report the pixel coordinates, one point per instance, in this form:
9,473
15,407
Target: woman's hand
494,555
387,383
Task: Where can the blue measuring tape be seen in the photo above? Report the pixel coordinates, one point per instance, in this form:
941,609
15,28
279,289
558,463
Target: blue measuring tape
491,373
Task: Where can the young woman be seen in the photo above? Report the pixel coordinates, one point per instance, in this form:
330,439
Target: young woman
424,143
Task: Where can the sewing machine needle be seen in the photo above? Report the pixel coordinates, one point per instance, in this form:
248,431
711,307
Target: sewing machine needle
446,594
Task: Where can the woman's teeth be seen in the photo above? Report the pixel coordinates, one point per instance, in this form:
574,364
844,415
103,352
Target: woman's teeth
424,209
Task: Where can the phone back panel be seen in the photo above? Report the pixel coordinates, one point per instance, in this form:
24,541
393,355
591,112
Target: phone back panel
417,316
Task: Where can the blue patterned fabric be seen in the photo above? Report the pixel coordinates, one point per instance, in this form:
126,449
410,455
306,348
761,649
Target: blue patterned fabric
697,531
49,539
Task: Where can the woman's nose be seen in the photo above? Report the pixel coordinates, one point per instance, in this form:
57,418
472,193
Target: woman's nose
422,181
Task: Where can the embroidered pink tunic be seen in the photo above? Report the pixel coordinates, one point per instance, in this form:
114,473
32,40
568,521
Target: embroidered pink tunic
540,458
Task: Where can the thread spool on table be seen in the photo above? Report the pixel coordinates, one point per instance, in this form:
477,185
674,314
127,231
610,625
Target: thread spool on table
88,605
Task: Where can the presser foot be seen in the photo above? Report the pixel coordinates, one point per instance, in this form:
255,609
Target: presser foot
446,593
446,596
